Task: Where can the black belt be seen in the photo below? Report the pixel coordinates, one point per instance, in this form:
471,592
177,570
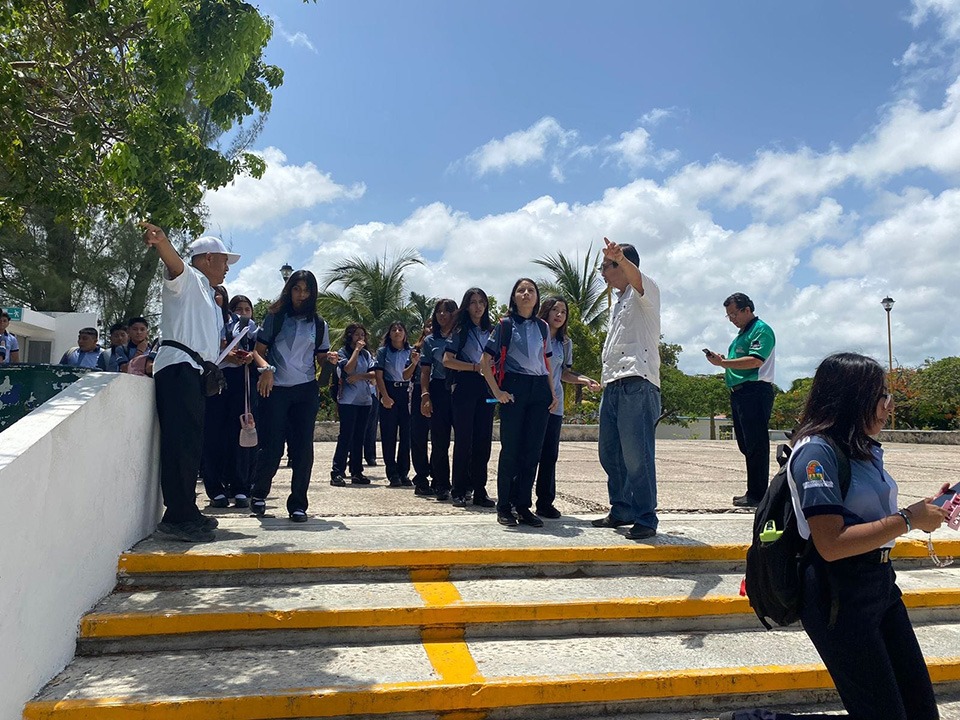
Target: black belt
874,557
743,385
401,384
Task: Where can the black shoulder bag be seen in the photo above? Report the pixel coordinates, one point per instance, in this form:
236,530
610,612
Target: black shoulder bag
211,375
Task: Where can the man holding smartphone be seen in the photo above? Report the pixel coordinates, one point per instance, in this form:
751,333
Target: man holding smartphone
748,372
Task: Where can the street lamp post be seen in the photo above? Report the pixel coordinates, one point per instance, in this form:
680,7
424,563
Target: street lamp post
286,271
887,304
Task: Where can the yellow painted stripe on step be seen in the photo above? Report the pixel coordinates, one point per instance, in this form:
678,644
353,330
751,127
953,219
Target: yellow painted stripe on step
197,561
444,609
133,563
443,697
445,646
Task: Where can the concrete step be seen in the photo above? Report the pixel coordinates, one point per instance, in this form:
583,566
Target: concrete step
251,551
509,677
330,613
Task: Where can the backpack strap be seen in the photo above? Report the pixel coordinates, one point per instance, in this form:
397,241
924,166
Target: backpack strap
278,320
843,476
320,325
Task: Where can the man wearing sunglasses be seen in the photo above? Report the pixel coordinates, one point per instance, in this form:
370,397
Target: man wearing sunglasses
631,394
748,371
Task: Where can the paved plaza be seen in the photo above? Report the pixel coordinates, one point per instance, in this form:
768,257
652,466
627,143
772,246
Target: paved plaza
692,476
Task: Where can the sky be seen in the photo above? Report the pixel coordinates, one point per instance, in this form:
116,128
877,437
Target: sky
804,153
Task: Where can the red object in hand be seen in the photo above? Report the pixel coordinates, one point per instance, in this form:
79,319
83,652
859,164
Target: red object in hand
743,588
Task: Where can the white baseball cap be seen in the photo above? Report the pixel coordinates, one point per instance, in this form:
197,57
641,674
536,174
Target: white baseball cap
210,244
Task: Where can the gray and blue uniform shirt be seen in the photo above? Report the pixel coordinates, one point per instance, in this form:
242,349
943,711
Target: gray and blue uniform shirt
561,359
392,363
473,346
526,355
432,356
292,351
357,393
815,486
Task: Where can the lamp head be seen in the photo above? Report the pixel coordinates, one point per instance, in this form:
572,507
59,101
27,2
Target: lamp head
887,303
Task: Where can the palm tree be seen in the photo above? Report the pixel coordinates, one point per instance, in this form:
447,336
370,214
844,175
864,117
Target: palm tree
582,286
373,293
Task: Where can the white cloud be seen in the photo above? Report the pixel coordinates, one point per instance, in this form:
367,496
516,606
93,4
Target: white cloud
297,39
251,203
655,115
634,150
946,11
520,148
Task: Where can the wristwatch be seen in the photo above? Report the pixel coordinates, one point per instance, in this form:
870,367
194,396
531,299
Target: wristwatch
263,369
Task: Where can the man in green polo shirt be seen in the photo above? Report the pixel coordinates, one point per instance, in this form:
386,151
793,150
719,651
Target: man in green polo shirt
748,368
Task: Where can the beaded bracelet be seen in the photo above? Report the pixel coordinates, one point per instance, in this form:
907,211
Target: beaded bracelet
906,519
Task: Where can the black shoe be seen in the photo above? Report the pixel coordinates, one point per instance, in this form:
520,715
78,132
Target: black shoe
745,501
483,501
192,532
220,501
640,532
241,501
359,479
258,507
528,518
505,517
394,482
468,495
425,492
608,522
405,482
458,501
371,463
338,480
443,496
207,522
298,516
550,513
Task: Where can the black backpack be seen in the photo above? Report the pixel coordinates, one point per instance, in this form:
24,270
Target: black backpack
773,582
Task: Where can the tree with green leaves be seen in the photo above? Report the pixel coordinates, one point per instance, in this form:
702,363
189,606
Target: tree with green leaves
373,293
579,285
107,110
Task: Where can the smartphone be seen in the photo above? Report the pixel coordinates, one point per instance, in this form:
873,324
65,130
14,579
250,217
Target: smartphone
706,351
941,500
242,354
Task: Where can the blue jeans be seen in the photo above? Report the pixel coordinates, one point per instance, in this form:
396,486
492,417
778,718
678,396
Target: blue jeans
628,414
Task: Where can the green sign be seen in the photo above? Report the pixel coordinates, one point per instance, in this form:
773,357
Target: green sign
15,313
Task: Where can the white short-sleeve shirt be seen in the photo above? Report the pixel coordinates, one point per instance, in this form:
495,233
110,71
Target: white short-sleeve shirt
190,316
632,348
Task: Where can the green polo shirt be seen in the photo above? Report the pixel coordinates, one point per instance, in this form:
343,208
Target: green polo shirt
755,340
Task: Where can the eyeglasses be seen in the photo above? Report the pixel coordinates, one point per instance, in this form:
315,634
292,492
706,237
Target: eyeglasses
731,316
607,264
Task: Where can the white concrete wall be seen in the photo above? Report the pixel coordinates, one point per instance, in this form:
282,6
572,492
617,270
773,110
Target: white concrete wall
80,484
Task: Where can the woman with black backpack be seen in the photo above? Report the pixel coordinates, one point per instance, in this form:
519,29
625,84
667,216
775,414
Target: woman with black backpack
850,604
295,343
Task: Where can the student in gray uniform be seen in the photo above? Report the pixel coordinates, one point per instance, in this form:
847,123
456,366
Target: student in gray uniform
241,392
419,425
472,414
116,358
294,342
395,364
851,607
435,397
553,311
370,431
526,398
355,368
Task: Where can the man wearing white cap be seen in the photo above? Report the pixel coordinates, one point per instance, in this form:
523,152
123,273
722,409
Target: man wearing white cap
191,318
